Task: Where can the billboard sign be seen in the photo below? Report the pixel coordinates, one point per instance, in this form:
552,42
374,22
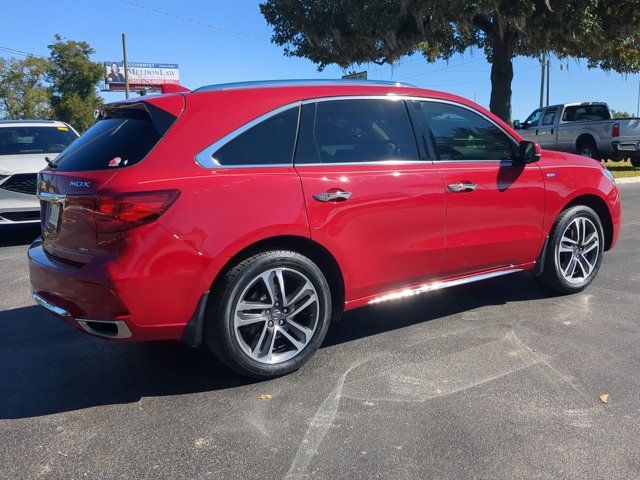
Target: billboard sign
147,76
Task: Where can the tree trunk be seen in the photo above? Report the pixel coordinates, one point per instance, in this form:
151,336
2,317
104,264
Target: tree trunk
501,78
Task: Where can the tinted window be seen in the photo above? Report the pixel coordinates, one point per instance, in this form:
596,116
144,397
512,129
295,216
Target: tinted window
534,118
24,140
549,116
345,131
461,134
585,113
270,142
119,139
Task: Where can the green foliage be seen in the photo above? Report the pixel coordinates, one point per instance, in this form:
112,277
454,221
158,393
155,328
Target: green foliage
23,93
621,114
345,32
73,78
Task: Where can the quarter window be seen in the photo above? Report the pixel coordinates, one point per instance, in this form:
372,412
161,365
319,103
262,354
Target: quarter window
349,131
270,142
461,134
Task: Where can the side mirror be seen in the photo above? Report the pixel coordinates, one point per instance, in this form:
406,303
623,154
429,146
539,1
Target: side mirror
529,152
517,125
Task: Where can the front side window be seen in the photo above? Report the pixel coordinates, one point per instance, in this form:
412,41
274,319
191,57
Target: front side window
358,130
534,119
25,140
550,116
461,134
270,142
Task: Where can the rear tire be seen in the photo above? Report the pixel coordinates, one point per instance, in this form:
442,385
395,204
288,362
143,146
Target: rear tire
574,251
635,162
588,148
258,331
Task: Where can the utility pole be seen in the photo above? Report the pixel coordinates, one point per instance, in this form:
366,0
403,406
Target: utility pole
124,64
638,109
542,67
548,79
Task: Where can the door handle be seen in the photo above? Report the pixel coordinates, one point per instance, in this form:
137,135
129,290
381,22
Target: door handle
462,187
332,196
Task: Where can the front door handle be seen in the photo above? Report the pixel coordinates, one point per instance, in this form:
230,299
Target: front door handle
332,196
462,187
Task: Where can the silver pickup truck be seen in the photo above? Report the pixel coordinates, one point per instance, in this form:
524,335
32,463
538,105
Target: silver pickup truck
584,128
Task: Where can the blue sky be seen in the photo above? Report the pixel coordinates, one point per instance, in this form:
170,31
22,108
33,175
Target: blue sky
208,52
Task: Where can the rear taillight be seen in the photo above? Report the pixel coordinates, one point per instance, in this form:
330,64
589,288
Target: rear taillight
117,212
615,130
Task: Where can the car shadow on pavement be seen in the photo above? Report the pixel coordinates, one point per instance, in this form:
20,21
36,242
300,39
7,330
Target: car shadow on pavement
49,367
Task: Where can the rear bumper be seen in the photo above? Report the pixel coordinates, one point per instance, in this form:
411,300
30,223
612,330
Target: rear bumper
84,298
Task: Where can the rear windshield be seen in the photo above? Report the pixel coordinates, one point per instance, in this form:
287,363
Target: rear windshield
25,140
120,138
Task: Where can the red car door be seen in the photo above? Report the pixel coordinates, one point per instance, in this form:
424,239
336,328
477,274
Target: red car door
495,204
371,197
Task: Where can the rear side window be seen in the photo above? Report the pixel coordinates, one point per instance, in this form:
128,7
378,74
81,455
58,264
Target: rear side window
25,140
270,142
550,116
461,134
585,113
350,131
120,138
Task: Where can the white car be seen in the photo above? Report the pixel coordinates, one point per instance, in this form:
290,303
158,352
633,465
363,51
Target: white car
24,144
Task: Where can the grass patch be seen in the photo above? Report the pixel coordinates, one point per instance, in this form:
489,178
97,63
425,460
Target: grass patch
622,169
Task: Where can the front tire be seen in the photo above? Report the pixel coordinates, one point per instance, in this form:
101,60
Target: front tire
635,162
269,314
574,252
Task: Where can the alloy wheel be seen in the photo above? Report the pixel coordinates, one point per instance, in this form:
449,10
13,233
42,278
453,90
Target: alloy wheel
578,251
276,315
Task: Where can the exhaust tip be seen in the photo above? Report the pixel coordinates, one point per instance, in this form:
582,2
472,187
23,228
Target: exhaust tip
105,328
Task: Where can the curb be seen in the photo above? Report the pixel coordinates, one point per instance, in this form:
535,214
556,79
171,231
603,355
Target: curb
627,180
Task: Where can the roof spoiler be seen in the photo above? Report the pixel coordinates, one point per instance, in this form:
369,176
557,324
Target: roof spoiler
173,88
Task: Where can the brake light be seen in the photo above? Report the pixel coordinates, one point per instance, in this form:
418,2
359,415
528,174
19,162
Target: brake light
615,130
124,211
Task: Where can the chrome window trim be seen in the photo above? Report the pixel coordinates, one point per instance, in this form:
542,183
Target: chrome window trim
380,163
205,157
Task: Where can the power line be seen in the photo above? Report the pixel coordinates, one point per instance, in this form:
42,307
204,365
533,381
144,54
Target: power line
441,69
15,51
195,22
478,81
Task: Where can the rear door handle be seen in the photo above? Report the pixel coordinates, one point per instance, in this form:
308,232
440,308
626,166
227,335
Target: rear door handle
462,187
332,196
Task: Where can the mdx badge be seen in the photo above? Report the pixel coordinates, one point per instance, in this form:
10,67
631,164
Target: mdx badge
79,183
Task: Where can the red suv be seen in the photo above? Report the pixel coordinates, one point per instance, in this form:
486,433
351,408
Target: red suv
249,216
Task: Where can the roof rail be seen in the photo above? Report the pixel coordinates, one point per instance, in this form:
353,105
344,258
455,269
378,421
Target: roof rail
297,83
28,121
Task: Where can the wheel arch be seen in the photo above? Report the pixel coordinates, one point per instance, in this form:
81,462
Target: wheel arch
585,137
600,207
317,252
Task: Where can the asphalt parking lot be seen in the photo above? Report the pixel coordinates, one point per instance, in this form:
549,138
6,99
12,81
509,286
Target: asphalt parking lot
491,380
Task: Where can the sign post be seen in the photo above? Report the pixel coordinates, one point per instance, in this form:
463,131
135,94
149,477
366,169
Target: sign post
124,64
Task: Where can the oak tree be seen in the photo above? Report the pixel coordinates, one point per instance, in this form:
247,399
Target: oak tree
606,33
